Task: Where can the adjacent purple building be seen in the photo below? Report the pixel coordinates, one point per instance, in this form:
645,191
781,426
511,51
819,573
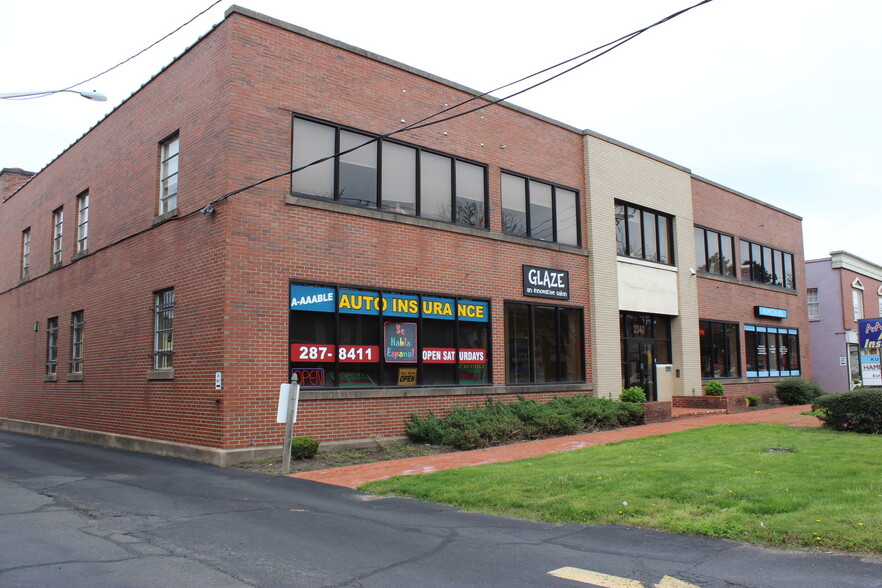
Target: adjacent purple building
842,289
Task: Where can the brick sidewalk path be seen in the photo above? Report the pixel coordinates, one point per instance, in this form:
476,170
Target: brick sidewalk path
356,475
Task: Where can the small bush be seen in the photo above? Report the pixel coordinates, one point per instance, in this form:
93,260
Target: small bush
858,411
754,401
797,391
471,427
633,394
714,388
304,447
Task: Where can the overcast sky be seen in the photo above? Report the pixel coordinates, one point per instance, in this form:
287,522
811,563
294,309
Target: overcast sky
778,99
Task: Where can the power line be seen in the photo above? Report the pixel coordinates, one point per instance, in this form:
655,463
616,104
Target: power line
123,62
426,121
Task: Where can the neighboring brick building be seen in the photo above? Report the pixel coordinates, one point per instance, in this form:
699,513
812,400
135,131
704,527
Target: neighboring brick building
154,304
842,289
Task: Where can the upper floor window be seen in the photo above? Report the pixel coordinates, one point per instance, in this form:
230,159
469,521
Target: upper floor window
163,318
82,222
766,265
77,326
57,232
814,306
361,170
714,252
857,302
26,253
644,234
539,210
168,174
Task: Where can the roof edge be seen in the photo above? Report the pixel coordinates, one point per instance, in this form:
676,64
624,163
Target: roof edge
746,197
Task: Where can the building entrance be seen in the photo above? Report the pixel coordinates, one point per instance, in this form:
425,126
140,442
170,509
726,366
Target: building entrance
646,342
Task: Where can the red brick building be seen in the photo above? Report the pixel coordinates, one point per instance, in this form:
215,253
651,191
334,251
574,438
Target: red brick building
167,272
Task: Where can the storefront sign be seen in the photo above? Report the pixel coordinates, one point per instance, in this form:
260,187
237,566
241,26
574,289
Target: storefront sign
871,370
870,333
310,377
767,311
407,376
329,353
546,283
312,298
400,342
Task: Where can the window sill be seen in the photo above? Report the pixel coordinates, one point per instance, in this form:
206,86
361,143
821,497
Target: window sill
161,218
50,378
55,266
653,264
75,377
79,255
166,374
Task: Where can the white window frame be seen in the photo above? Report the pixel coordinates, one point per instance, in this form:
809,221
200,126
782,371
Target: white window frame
52,346
57,235
26,253
168,174
857,301
77,329
82,222
814,304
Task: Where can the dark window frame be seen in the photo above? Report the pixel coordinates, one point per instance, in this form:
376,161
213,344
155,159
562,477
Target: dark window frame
624,240
52,346
531,343
77,341
754,266
163,329
555,221
457,217
707,328
705,265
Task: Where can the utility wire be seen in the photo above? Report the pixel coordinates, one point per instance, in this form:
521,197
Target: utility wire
123,62
427,121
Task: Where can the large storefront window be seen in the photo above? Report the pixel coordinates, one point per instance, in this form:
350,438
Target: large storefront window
771,351
719,349
343,338
543,343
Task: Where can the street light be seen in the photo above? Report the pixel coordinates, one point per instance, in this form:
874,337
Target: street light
97,96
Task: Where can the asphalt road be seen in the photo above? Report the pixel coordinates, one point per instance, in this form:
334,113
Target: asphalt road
75,515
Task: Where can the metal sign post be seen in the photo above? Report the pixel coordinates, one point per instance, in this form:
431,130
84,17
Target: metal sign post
289,397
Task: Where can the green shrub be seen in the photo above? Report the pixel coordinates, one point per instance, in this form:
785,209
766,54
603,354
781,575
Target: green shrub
304,447
633,394
754,401
471,427
857,411
797,391
714,388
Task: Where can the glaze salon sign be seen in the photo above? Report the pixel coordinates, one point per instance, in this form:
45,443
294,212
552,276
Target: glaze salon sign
546,283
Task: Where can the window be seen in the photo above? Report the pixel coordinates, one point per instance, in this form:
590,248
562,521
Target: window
82,222
52,346
57,231
539,210
386,175
348,337
767,265
26,253
644,234
719,349
814,307
76,342
857,302
163,317
771,351
714,252
168,175
543,343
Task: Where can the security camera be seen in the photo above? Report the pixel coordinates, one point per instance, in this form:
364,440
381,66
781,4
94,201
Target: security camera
692,270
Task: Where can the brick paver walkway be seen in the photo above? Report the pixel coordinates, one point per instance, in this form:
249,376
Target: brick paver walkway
353,476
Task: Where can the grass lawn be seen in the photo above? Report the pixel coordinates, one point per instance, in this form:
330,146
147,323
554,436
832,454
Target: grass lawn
771,485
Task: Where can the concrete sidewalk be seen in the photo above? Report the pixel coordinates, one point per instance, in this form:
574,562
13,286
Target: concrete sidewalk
356,475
